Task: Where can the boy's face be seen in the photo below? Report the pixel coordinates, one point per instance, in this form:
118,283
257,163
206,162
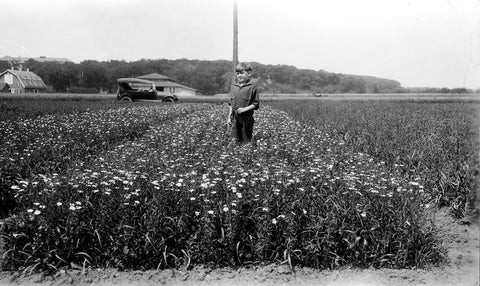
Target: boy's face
243,76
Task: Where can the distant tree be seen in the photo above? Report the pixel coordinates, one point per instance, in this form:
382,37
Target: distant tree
60,76
16,63
93,74
113,71
210,77
69,76
349,84
4,65
459,90
281,73
444,90
34,66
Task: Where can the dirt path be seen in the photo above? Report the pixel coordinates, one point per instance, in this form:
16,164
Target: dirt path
462,240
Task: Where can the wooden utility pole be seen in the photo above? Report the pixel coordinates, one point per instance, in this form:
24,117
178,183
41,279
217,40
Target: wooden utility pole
235,37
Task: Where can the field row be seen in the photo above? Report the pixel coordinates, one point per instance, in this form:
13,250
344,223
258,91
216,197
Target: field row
170,188
436,141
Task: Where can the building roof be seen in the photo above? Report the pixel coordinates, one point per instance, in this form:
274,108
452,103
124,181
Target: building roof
161,80
27,78
171,84
155,77
133,80
45,59
39,59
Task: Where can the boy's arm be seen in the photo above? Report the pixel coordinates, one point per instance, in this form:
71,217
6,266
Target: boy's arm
229,116
245,109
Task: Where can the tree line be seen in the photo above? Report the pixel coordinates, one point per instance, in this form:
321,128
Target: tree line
209,77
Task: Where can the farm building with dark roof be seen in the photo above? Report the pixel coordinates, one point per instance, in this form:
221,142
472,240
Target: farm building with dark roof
166,84
22,81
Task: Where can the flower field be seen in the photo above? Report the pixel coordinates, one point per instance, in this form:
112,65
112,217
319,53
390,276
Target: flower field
436,141
160,186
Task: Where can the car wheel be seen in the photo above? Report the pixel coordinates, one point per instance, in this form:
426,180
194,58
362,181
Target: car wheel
126,98
168,99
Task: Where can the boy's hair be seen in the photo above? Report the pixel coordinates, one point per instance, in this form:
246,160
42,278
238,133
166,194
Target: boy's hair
243,67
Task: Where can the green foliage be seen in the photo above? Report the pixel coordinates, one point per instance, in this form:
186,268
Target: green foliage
162,186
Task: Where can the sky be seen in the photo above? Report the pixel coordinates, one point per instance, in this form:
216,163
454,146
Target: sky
420,43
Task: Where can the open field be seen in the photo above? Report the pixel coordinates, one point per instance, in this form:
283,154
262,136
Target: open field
368,97
265,97
327,185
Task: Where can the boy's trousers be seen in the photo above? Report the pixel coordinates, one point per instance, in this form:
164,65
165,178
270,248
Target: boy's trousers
242,127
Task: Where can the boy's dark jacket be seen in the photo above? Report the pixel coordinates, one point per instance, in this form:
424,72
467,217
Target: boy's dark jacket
244,95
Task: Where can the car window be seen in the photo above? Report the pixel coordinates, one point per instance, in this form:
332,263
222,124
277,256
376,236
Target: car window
142,86
124,86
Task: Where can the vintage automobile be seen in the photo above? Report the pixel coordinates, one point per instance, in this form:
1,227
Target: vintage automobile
130,89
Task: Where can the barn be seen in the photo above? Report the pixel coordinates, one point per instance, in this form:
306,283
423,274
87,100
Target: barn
166,84
20,81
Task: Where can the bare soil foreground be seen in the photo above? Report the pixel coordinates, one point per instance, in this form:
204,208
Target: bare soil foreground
461,239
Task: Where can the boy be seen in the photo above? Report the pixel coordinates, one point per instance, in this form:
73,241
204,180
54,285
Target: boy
244,100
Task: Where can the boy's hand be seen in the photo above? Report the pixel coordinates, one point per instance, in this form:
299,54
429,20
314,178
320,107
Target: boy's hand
245,109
